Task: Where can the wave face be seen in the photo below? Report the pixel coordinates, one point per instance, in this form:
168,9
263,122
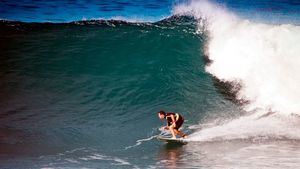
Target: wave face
85,94
261,62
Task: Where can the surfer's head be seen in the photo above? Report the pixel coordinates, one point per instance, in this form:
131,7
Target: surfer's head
161,114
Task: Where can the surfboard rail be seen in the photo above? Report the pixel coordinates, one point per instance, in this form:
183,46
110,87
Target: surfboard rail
171,140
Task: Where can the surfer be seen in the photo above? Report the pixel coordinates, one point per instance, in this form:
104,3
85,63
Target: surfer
175,121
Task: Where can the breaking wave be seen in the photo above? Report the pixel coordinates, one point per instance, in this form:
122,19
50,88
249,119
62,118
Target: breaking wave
261,62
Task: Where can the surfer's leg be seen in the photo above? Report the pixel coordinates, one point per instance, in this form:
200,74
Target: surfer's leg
180,133
178,125
172,131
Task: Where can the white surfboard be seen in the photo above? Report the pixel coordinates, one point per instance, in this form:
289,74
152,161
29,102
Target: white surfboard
172,140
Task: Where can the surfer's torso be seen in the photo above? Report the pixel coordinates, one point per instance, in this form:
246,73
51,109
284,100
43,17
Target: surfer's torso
178,119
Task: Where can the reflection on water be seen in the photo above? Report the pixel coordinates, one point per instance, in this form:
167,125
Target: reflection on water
169,155
231,154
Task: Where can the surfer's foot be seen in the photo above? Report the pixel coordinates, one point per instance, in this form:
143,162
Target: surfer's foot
185,136
174,138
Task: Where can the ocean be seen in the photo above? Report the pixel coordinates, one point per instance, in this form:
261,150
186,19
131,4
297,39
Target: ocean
82,82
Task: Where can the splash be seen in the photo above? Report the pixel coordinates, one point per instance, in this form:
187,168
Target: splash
140,141
263,60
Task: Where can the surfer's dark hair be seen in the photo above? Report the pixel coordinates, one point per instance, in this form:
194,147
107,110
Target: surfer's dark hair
162,112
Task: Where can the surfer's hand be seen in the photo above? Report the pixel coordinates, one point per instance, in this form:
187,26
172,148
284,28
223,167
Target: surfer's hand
163,128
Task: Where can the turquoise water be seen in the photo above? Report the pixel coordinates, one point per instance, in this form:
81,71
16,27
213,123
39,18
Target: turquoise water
98,88
85,94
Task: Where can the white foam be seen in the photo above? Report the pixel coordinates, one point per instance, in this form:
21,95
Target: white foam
273,127
264,59
140,141
97,156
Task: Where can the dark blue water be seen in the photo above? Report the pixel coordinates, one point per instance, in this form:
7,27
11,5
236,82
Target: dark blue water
138,10
65,11
85,94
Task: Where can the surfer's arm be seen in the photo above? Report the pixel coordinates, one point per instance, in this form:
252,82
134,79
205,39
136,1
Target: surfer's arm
173,120
167,126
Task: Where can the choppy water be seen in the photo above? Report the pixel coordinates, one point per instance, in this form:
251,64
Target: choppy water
85,94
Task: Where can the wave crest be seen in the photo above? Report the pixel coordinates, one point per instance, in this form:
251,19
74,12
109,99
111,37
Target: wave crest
264,59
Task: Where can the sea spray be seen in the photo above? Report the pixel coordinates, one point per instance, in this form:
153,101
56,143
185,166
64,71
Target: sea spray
264,60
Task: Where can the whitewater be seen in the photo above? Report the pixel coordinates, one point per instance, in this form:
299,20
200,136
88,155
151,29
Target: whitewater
262,64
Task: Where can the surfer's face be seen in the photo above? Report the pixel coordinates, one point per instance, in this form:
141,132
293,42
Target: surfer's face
161,116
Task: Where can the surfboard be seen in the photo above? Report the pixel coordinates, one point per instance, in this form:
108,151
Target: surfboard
171,140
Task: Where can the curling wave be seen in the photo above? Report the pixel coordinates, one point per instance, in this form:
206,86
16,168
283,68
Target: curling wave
261,61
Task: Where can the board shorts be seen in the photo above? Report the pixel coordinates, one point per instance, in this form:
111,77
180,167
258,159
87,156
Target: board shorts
179,123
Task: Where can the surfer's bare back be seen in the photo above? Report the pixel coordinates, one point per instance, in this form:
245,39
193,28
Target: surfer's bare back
174,120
